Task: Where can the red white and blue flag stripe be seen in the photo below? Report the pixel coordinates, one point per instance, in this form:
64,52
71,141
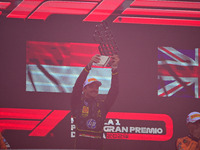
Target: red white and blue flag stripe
178,72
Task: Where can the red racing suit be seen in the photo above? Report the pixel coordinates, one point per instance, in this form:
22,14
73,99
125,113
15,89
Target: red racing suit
2,142
188,143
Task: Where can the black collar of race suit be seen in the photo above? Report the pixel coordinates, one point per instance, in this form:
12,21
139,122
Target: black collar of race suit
193,138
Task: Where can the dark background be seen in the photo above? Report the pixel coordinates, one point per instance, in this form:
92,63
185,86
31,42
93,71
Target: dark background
138,75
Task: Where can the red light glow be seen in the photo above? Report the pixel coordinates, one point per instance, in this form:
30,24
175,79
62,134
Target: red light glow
24,9
17,125
62,7
4,5
162,12
43,127
23,113
49,123
70,54
103,10
161,3
157,21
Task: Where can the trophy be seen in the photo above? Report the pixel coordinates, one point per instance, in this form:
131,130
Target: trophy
107,43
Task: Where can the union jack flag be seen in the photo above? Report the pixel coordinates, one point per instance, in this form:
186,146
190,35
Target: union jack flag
178,72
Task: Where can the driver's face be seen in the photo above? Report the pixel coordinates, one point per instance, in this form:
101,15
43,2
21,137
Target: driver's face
91,90
197,124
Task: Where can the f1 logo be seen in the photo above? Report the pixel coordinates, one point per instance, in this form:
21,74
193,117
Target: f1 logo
41,122
161,12
167,12
41,9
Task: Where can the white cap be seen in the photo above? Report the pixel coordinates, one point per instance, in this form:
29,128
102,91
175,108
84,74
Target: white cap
193,117
91,80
